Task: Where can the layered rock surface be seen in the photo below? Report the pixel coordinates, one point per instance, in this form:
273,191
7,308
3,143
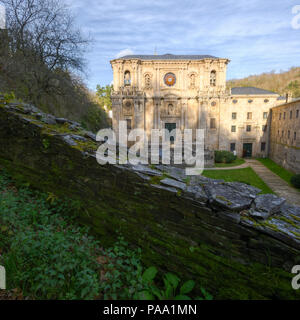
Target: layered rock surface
232,240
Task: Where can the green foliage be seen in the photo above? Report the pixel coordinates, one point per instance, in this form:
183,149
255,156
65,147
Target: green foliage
104,96
8,97
171,289
222,156
45,255
235,163
295,181
95,118
48,255
123,272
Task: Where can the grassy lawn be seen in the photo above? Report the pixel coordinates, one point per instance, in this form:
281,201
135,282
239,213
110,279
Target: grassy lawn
236,162
276,168
245,175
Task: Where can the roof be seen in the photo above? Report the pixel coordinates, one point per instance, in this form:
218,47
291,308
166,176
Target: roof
168,56
250,90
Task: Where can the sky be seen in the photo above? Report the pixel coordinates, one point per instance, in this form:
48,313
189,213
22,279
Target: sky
257,36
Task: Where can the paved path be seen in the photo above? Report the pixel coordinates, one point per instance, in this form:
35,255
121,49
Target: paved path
278,185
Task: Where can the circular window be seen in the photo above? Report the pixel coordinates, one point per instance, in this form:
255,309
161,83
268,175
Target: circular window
213,104
234,101
250,100
266,100
170,79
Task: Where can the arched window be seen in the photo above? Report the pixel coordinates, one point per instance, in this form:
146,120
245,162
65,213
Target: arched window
127,78
213,78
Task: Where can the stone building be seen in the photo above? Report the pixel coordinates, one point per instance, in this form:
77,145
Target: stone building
285,135
189,91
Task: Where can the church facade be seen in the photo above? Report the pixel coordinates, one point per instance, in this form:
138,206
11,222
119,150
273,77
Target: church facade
189,91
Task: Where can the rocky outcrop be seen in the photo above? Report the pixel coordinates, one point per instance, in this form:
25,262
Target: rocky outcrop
230,239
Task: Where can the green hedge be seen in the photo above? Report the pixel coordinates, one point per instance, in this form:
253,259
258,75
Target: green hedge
224,156
295,181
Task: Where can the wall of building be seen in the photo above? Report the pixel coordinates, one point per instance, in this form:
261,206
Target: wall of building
285,136
248,110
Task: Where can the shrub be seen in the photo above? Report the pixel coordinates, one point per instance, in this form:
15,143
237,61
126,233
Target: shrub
295,180
224,156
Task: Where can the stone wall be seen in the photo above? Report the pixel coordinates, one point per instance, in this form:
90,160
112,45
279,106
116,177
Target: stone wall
285,136
232,241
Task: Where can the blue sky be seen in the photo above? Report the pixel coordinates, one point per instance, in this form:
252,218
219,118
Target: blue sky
257,36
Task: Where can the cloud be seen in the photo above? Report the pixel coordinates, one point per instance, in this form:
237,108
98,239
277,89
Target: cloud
125,52
255,35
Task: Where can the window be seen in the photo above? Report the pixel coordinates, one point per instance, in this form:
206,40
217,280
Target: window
291,114
264,128
234,101
284,116
265,115
213,104
232,146
278,132
282,133
266,100
213,78
248,128
127,79
295,135
289,134
297,113
213,123
263,146
250,101
128,124
233,116
249,115
280,116
233,128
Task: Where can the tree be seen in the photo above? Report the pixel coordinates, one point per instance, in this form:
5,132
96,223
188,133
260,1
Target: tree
43,44
104,95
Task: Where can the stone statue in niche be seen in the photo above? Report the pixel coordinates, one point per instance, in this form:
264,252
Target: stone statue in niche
192,81
148,84
171,109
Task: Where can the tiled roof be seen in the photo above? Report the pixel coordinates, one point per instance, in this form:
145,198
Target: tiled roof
168,56
250,90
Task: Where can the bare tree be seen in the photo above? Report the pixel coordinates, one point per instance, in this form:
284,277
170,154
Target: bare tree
43,44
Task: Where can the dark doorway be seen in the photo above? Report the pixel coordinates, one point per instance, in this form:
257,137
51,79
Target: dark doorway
247,150
170,127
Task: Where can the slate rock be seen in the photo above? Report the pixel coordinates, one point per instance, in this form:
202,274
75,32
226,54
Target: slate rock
48,119
91,135
266,205
225,196
78,137
173,183
69,140
245,188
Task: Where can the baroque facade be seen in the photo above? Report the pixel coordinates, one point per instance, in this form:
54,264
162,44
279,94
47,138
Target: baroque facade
189,91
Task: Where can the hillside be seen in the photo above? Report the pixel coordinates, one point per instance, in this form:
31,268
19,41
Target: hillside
283,82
